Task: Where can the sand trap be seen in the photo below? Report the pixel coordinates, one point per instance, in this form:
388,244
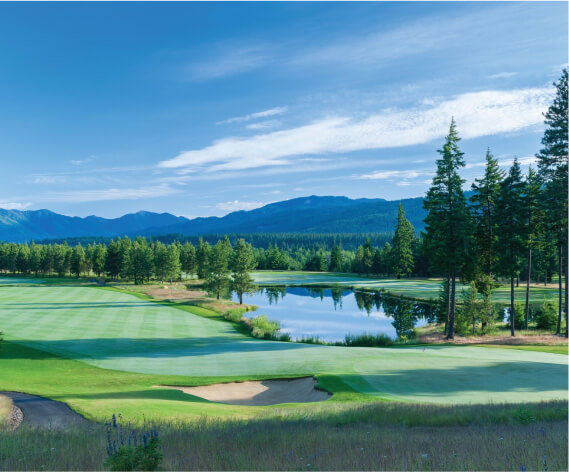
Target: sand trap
258,393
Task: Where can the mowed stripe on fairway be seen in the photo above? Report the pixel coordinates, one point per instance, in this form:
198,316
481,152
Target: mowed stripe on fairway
118,331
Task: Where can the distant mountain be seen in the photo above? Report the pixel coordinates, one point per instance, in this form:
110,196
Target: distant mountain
299,215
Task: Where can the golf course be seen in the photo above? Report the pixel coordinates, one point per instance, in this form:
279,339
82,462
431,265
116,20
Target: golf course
103,352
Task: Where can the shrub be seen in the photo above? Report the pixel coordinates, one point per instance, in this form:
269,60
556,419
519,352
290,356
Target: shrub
546,316
368,340
131,449
262,327
235,315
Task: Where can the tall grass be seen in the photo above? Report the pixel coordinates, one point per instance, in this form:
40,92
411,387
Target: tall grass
374,437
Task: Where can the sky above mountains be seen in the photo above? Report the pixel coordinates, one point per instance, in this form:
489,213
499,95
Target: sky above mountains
200,109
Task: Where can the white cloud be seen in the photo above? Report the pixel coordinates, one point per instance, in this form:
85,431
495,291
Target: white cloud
14,205
388,174
236,205
503,75
264,125
80,162
276,192
48,179
477,114
229,61
80,196
254,116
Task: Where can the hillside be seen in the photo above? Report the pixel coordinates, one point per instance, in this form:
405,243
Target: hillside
312,214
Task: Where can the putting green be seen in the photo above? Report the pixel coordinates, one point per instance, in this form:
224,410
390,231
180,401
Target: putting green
118,331
425,289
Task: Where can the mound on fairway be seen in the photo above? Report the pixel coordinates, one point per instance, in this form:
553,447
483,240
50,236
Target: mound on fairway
259,392
118,331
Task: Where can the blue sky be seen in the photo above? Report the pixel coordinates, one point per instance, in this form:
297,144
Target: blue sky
200,109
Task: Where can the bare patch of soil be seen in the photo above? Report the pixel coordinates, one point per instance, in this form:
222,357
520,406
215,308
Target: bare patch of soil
435,337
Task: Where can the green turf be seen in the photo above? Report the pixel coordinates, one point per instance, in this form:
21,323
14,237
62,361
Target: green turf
114,330
426,289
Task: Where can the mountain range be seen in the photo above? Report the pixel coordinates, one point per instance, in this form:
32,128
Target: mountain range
313,214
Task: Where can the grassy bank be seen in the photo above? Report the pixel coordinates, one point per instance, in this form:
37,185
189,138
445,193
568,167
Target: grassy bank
335,442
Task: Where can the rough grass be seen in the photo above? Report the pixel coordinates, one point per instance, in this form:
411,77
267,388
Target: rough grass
5,408
335,442
416,288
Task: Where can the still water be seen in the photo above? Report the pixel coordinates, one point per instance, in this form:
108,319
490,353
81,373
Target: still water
331,314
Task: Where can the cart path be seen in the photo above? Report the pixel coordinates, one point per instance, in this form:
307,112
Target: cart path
43,413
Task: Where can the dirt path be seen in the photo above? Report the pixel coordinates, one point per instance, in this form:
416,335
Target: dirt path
40,412
257,393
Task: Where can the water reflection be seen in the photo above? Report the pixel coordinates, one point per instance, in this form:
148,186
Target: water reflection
331,313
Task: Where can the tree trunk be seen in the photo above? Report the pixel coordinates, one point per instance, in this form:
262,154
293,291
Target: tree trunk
448,305
560,285
527,288
240,298
512,310
450,333
517,280
566,293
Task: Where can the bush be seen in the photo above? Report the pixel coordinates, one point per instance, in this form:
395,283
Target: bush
235,315
546,316
368,340
131,450
262,327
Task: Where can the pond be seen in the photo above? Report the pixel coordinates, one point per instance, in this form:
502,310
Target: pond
330,314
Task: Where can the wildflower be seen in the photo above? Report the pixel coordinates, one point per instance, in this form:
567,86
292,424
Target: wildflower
424,456
523,468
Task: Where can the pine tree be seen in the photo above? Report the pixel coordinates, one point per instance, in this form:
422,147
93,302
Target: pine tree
402,245
483,207
242,263
173,265
160,261
189,258
534,218
218,266
511,230
77,260
553,168
336,258
447,224
202,258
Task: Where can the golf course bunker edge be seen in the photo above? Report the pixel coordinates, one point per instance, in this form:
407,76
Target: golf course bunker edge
259,392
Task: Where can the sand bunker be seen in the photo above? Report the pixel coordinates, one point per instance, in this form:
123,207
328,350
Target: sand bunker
258,393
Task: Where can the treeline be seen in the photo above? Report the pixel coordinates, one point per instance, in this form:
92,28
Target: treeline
512,224
287,241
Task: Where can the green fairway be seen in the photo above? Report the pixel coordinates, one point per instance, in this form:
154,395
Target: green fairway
425,289
118,331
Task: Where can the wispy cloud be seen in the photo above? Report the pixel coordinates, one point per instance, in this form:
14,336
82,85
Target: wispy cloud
228,62
98,195
477,114
389,174
237,205
264,125
503,75
254,116
14,205
81,162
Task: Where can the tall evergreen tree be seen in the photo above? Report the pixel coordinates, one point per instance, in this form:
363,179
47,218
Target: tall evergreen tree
202,258
78,260
483,207
553,168
336,258
511,229
402,245
218,266
242,263
189,258
447,224
531,203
